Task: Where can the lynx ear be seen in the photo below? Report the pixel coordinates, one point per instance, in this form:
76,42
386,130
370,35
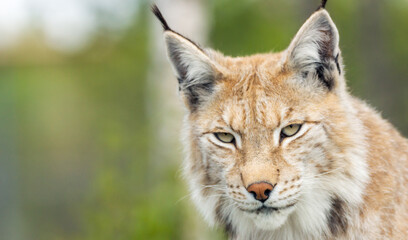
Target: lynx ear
194,69
315,49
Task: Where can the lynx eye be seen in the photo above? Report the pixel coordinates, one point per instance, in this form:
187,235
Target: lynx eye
225,137
290,130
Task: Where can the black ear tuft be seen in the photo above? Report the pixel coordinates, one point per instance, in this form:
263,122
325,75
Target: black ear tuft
322,5
159,16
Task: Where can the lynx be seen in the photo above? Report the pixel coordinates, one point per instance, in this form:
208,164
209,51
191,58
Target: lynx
277,148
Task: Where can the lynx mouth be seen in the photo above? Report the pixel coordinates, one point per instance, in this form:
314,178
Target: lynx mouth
268,210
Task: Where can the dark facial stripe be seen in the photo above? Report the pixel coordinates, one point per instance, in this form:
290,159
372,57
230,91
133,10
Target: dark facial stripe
337,219
230,231
228,228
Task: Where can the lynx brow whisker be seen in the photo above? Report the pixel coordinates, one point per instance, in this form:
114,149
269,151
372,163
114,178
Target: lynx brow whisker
322,174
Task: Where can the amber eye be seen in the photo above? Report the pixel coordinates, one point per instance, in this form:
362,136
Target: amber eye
290,130
225,137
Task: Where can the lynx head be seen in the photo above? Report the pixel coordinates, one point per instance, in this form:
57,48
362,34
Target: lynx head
268,136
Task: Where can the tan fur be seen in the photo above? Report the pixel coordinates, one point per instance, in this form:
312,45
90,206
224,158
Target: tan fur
344,175
383,214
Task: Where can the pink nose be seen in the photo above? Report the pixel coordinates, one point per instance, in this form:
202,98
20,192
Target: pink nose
260,190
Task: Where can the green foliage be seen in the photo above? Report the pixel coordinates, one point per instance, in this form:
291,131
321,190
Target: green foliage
247,27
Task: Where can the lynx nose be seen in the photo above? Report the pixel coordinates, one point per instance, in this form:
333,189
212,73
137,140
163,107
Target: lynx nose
260,190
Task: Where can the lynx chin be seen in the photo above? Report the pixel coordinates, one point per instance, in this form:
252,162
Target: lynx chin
277,148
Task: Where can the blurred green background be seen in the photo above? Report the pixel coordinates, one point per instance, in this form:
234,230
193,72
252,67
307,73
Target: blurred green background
89,136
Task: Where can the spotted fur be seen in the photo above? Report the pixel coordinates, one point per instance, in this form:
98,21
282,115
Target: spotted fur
343,175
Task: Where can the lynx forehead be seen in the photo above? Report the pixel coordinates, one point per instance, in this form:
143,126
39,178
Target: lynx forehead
278,149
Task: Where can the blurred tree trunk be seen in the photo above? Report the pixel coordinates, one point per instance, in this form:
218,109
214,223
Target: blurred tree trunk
188,17
11,212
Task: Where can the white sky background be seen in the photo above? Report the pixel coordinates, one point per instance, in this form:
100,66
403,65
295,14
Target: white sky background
67,25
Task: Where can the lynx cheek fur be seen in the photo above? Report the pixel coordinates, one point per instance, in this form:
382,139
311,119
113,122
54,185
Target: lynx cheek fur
277,148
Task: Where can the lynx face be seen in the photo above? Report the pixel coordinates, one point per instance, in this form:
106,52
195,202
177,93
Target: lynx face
264,141
265,163
271,146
